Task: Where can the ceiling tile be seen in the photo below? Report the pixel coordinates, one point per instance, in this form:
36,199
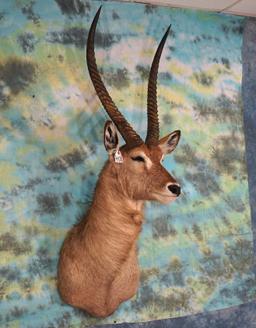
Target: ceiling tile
245,7
217,5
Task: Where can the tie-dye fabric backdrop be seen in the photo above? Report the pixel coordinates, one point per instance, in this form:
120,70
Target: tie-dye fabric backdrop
196,254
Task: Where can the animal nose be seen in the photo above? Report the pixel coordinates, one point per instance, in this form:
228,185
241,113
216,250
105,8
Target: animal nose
175,189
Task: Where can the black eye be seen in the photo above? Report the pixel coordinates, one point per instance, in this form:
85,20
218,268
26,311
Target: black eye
138,159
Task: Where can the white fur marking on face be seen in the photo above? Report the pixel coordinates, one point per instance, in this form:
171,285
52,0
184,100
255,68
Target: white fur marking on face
147,161
146,158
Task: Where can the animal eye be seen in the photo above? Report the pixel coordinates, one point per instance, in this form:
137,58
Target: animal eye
138,159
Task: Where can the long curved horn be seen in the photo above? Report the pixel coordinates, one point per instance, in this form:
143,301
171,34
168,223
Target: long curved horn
130,136
153,123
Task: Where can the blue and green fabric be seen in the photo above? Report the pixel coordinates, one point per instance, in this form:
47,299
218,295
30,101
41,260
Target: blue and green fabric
195,254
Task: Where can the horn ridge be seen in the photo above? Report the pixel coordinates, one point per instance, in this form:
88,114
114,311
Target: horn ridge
152,113
128,133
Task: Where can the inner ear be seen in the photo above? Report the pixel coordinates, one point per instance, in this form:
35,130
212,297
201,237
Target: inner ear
169,142
110,137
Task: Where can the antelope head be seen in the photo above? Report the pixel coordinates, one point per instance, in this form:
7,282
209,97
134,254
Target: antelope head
137,164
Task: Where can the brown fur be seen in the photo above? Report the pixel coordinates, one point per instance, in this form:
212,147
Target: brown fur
98,266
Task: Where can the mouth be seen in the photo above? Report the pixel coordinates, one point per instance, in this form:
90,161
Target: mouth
164,198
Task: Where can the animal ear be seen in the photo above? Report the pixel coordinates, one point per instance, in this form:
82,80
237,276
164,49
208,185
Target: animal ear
169,142
110,137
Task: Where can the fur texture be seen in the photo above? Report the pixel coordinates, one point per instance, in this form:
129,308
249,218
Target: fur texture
98,266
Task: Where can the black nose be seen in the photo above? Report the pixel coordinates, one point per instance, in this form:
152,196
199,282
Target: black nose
175,189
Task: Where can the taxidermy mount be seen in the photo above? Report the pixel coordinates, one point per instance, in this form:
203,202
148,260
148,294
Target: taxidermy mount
98,266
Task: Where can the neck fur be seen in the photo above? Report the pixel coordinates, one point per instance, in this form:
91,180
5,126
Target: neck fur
113,222
110,198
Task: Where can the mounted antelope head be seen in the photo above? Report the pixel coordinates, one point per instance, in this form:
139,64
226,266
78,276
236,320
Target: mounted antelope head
140,158
98,266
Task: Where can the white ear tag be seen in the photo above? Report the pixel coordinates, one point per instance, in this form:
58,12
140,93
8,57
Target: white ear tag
118,157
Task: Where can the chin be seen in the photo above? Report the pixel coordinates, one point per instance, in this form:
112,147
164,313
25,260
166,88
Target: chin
164,199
